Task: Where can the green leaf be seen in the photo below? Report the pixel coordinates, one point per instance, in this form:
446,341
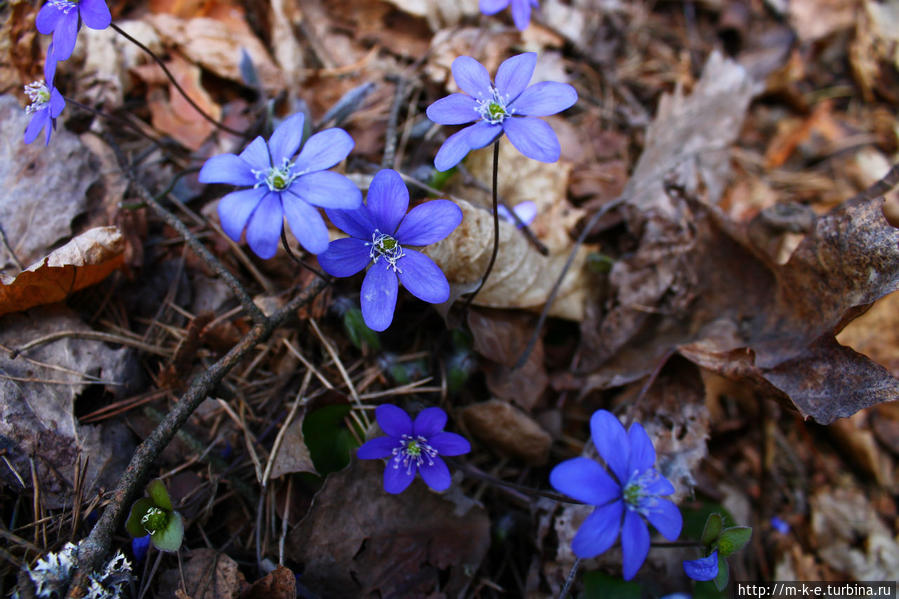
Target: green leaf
723,573
713,527
357,332
169,538
328,440
598,585
134,526
733,539
156,491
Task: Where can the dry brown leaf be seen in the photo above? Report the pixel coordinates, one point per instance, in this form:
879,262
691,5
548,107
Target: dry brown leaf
521,278
208,574
86,260
440,14
508,430
447,44
217,45
44,188
814,19
359,541
280,583
293,455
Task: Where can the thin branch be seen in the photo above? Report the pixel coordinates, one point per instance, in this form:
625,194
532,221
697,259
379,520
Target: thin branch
568,581
882,187
493,255
97,544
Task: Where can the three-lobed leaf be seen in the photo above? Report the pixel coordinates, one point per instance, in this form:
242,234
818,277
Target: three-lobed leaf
733,539
713,527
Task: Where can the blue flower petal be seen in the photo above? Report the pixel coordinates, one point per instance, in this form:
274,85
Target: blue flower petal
235,209
482,134
227,168
612,443
521,14
634,544
704,568
514,74
328,190
429,222
533,138
422,278
491,7
665,516
388,200
449,444
380,447
378,296
455,109
305,223
585,480
64,36
429,421
264,228
39,120
50,69
48,18
643,454
139,547
95,13
659,486
323,150
357,223
285,141
397,477
435,474
393,420
57,103
599,531
460,143
471,77
344,257
545,98
256,155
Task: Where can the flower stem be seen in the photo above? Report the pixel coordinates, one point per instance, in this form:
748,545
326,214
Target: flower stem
495,230
663,544
177,85
568,581
296,259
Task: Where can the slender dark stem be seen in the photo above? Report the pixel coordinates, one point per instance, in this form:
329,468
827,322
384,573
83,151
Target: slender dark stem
665,544
558,285
568,581
881,187
529,235
471,297
174,82
296,259
632,410
115,119
476,472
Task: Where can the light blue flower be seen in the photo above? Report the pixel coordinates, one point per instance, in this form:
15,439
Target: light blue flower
521,10
63,18
704,568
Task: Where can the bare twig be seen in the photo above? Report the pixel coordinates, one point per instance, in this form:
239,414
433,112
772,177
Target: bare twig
886,183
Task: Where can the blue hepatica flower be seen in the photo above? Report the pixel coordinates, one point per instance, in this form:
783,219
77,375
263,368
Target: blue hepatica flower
282,189
525,211
413,447
63,18
508,106
46,104
521,10
380,233
632,495
704,568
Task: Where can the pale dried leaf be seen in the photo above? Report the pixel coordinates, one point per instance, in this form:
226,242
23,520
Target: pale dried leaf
293,455
814,19
508,430
440,14
521,277
208,574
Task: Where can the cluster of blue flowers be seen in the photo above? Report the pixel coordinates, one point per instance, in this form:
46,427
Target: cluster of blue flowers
62,19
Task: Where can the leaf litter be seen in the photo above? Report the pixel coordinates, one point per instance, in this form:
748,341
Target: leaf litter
735,302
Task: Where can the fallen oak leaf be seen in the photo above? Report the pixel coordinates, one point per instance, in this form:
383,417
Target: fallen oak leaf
84,261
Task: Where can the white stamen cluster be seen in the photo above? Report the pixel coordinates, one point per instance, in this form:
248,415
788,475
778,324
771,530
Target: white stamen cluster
276,178
387,247
494,109
39,94
64,5
635,491
412,452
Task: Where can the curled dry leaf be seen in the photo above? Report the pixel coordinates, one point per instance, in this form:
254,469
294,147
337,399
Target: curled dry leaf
280,583
86,260
386,545
522,277
208,574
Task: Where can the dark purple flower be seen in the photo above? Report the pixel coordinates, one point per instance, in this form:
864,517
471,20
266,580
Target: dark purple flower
633,494
280,188
46,104
63,18
521,10
704,568
413,447
379,232
504,107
